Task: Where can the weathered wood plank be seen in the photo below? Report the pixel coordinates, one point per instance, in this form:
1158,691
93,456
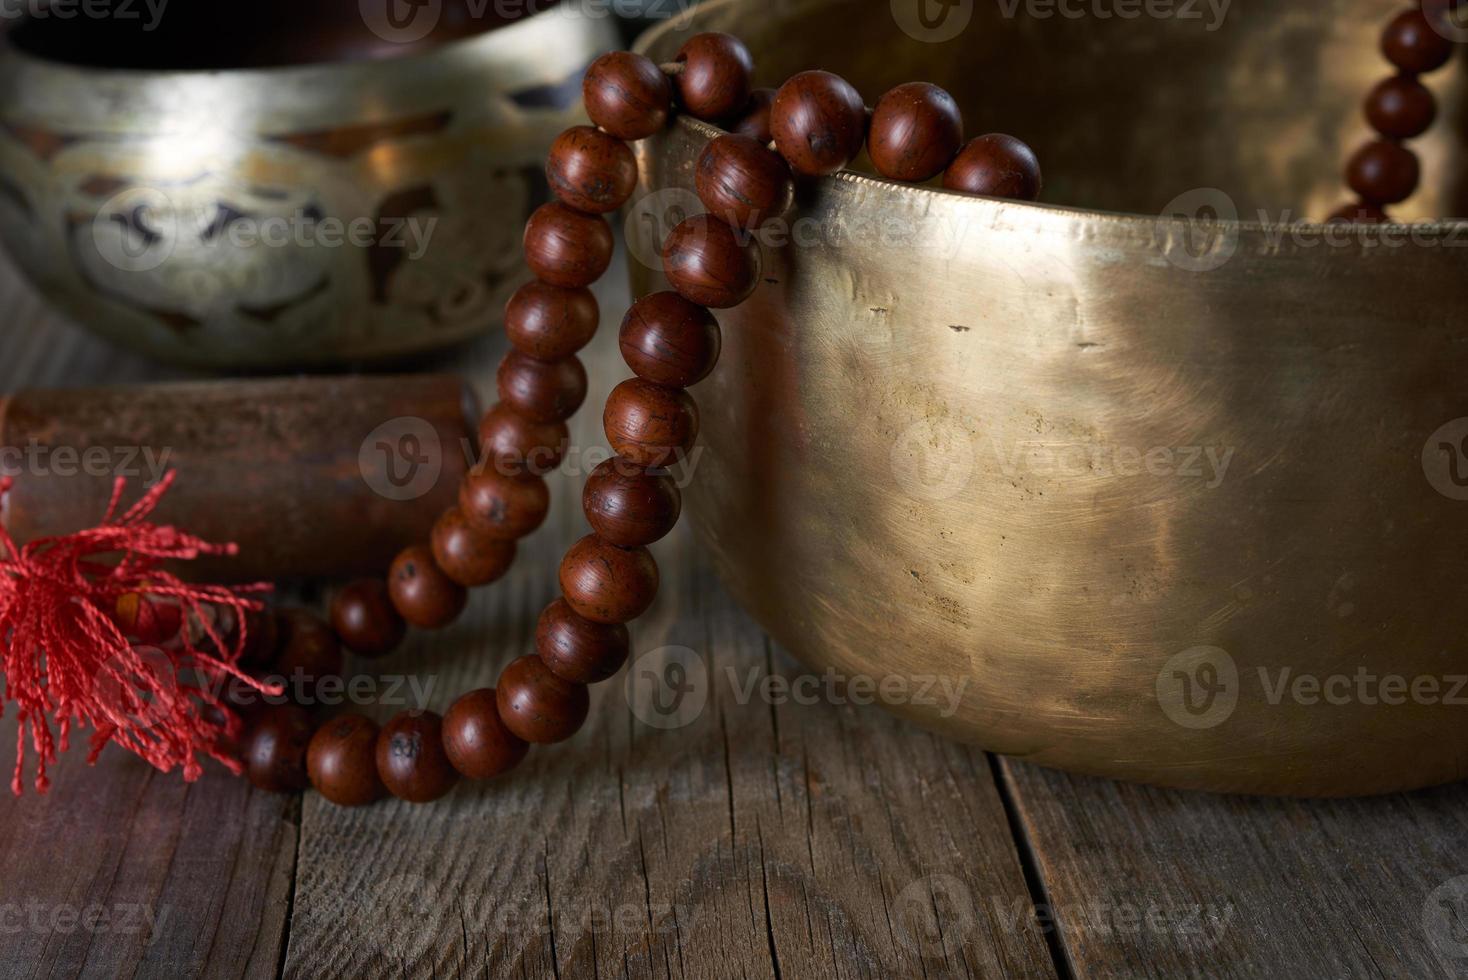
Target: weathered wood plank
754,840
1161,883
121,871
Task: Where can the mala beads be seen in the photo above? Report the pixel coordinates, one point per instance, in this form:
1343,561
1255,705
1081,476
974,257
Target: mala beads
815,124
1384,171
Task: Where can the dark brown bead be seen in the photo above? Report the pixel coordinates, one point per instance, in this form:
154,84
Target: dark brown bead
819,122
468,554
342,761
274,748
1383,172
742,182
543,391
309,651
551,322
708,263
669,341
365,621
538,706
590,170
476,740
511,443
411,761
916,130
262,637
578,650
1359,213
1400,107
506,505
716,78
649,424
422,594
629,505
755,122
996,165
627,95
566,247
1410,42
608,584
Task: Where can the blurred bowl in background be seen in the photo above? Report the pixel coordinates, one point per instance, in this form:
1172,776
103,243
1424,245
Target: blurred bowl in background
365,204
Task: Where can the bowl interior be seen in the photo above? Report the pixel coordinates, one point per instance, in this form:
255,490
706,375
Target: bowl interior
1259,99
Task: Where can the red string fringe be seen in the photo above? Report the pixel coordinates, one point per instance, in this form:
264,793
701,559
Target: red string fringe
65,659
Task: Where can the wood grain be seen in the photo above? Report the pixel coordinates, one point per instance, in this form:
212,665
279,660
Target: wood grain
1161,883
754,840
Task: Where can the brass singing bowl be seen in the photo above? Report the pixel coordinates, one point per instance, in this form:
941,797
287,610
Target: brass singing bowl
277,216
963,441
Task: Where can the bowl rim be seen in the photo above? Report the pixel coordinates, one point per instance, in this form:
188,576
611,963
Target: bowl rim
1127,221
287,74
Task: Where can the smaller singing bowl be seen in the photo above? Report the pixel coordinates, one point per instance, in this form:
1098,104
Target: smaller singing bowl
359,201
1146,481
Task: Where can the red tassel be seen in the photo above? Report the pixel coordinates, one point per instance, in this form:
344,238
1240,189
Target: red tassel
65,659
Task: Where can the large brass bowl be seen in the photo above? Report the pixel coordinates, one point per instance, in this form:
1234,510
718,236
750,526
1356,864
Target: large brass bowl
960,441
279,216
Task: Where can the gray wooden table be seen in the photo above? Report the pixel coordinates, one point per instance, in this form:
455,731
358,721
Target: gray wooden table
759,839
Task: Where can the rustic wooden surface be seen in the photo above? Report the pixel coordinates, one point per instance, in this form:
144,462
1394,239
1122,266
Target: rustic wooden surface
734,837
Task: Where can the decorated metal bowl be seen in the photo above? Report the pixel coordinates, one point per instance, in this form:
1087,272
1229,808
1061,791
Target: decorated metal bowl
1156,478
361,206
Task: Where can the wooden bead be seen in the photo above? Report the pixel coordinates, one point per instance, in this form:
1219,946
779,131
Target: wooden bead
506,505
1383,172
538,706
309,651
365,621
996,165
511,443
578,650
543,391
742,182
566,247
262,637
421,593
608,584
627,95
551,322
274,748
916,130
476,740
629,505
1410,42
707,262
469,554
342,761
411,761
649,424
819,122
755,122
590,170
669,341
1401,107
1359,213
716,78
